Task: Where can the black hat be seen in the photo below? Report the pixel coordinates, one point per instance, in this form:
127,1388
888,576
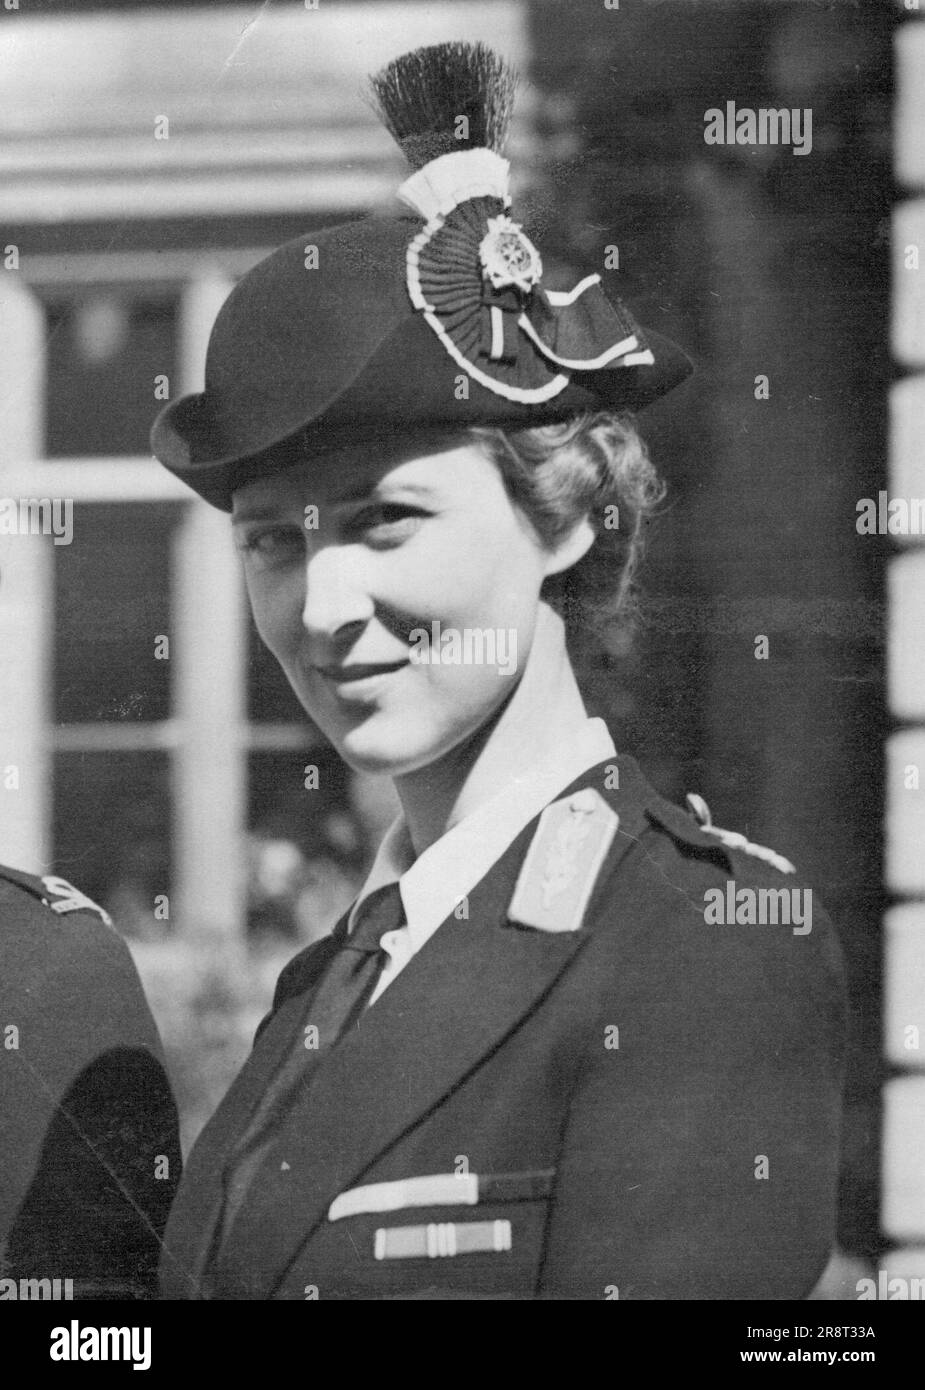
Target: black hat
387,325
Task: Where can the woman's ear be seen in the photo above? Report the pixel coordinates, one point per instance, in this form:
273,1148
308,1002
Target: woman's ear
569,549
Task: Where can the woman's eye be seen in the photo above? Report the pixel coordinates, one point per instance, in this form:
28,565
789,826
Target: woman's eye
386,524
273,545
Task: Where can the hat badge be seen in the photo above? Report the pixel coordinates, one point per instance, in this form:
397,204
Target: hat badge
508,256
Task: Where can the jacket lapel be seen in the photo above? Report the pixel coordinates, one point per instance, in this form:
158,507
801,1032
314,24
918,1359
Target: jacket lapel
196,1211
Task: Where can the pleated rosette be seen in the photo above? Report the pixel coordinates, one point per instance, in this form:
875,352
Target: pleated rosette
477,279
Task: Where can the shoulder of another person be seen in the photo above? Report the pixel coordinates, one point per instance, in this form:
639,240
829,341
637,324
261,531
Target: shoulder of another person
49,891
69,979
54,936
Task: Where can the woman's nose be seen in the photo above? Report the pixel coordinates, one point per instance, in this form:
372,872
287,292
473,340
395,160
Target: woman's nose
335,595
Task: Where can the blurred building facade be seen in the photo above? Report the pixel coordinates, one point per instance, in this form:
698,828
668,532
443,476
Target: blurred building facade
136,770
903,1214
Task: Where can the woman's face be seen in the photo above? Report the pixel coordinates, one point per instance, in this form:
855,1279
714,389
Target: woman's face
403,608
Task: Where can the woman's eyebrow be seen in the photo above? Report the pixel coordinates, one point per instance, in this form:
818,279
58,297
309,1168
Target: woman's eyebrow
257,512
362,492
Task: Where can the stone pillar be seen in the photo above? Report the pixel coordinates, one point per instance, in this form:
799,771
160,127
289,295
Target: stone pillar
26,573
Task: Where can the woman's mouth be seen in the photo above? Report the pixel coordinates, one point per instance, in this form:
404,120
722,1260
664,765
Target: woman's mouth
360,680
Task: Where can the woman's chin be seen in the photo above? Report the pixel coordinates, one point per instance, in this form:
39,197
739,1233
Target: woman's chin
383,755
393,752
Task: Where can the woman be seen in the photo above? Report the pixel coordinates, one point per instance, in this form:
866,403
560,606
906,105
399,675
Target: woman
529,1062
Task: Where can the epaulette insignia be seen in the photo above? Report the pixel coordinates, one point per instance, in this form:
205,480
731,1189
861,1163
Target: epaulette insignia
70,899
559,872
733,839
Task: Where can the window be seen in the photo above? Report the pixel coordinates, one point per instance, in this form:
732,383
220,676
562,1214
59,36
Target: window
175,752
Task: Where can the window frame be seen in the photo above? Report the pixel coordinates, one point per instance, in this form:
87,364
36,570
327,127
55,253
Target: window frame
208,735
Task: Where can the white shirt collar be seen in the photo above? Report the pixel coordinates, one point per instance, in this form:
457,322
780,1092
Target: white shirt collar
434,884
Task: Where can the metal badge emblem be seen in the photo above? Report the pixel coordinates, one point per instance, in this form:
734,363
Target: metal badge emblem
509,257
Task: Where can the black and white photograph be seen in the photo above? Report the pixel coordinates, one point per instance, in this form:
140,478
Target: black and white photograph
462,661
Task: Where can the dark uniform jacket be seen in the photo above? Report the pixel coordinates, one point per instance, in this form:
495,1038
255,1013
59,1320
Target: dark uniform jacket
650,1103
89,1146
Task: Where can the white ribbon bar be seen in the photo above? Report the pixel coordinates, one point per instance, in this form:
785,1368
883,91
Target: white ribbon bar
431,1190
443,1240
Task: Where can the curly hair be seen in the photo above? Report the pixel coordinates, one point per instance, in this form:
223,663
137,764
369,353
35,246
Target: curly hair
594,465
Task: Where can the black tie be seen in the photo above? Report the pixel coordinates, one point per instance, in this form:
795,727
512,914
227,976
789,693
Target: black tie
335,1006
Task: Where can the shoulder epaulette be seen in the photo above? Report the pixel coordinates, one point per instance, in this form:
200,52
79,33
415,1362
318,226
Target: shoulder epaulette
695,827
54,892
701,812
